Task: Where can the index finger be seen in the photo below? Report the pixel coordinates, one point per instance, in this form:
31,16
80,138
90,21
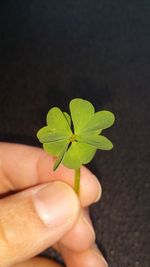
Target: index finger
23,166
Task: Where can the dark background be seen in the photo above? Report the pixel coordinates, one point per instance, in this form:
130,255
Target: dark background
53,51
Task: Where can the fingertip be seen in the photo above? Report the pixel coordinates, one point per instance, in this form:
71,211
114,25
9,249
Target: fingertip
56,203
91,189
87,258
81,236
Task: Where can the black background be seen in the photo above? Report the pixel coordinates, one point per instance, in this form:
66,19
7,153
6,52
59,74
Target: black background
53,51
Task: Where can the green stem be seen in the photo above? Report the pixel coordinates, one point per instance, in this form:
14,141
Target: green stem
77,181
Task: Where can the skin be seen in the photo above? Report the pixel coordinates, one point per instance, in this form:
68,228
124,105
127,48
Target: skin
24,172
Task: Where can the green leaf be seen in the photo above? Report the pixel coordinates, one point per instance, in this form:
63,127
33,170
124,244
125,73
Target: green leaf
86,152
97,141
57,122
60,158
44,130
100,120
78,154
71,158
52,137
81,112
68,118
85,140
45,135
54,148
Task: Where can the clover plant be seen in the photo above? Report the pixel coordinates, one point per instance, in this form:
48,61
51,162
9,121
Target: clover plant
73,139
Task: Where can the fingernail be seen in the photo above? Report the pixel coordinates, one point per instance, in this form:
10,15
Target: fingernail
101,258
99,255
95,259
99,191
88,223
56,204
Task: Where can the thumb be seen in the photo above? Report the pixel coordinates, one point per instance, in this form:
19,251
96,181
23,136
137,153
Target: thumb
32,220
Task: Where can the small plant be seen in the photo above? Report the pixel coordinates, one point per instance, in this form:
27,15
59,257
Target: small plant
74,140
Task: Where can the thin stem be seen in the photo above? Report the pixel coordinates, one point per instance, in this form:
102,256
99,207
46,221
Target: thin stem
77,181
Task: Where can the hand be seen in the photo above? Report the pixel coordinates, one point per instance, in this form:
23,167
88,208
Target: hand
39,209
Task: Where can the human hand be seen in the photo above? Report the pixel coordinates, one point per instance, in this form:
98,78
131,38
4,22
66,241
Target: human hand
39,209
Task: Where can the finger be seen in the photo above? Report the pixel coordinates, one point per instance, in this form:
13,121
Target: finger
81,236
90,188
88,258
35,219
24,166
38,262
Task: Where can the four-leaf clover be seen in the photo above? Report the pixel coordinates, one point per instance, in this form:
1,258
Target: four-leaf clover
78,146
